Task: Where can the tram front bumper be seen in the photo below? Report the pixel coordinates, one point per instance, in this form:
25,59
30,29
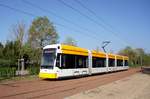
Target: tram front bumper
48,75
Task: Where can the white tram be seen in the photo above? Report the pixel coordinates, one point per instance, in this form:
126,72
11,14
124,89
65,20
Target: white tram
60,60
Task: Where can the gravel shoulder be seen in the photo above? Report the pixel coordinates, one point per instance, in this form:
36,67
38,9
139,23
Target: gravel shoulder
136,86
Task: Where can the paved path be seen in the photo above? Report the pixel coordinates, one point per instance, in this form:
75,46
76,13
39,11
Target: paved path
136,86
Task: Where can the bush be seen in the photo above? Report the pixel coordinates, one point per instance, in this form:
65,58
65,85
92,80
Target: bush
7,72
33,70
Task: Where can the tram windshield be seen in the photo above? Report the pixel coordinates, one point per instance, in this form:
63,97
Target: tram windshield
48,57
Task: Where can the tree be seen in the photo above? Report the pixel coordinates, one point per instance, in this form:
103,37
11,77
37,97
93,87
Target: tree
18,30
97,49
1,50
42,32
128,51
10,53
31,54
136,56
140,54
70,41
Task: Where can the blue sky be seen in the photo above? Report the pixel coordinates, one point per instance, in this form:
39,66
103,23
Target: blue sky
129,20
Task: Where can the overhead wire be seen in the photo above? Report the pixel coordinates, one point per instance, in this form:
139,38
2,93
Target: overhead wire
62,18
66,20
94,21
98,17
17,10
92,12
33,15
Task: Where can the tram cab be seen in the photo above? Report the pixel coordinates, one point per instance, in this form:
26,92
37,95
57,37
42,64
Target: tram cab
48,62
60,60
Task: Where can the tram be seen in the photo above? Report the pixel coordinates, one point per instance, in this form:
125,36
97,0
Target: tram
59,60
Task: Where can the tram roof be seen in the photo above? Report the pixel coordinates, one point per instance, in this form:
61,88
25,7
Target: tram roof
69,49
98,54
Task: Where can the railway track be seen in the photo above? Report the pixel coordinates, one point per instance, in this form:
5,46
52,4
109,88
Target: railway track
62,88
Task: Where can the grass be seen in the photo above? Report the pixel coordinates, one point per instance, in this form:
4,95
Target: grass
17,78
134,66
9,74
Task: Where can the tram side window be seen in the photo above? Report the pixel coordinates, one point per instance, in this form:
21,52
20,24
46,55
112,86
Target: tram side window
81,61
111,63
68,61
119,62
126,62
98,62
73,61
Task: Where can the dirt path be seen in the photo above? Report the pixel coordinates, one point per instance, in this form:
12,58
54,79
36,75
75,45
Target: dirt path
49,89
136,86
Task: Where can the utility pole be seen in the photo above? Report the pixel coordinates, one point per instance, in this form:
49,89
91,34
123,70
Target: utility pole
104,44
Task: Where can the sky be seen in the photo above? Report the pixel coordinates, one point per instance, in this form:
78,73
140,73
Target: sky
122,22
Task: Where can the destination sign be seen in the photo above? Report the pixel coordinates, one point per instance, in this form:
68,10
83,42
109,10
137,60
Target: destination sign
49,51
